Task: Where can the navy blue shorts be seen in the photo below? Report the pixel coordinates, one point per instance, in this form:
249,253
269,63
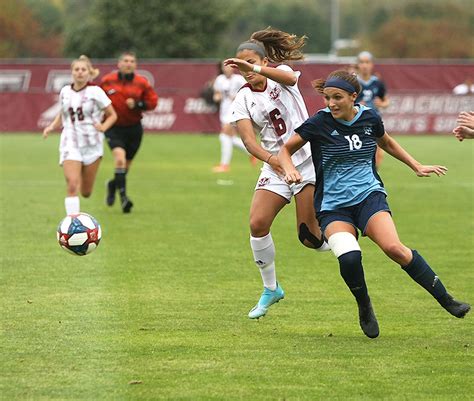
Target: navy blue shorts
357,215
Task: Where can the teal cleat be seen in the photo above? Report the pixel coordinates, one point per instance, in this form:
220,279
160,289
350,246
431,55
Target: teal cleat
267,299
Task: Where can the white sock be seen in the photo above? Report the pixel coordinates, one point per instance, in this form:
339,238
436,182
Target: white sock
237,142
226,148
72,204
264,255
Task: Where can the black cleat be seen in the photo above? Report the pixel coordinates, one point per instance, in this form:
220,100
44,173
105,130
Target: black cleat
110,199
368,321
126,205
456,308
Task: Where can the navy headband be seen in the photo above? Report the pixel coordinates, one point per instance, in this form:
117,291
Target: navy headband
339,83
257,48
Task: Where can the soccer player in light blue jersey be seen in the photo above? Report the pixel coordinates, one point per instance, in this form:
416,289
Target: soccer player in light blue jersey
373,92
350,194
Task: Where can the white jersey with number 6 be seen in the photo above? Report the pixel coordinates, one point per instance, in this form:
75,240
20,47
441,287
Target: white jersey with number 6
80,110
276,112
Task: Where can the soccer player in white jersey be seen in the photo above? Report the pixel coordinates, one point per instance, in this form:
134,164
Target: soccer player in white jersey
225,88
272,104
86,112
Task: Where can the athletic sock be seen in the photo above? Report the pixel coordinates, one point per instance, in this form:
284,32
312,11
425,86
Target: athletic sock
264,255
226,148
350,266
237,142
72,204
120,181
268,274
421,272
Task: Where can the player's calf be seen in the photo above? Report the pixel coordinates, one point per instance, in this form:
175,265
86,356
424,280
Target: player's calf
347,250
420,271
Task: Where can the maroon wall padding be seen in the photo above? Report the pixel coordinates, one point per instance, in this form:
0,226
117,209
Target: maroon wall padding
420,93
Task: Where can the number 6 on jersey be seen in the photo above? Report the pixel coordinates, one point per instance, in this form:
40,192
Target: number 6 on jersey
278,122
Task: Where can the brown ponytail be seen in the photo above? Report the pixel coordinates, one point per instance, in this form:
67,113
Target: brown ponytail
280,46
351,78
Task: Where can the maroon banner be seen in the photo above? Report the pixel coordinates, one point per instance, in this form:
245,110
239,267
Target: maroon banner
421,99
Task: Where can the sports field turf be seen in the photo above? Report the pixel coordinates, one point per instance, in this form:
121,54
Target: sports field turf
164,300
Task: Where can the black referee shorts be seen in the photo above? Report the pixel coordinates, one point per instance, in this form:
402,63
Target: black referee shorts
128,138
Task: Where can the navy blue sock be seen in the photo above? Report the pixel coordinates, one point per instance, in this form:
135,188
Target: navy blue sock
421,272
120,182
350,266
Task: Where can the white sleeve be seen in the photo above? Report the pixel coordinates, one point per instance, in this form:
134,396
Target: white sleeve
61,93
218,84
285,67
101,98
239,108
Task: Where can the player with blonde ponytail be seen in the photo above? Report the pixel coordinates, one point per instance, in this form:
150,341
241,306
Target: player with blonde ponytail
86,112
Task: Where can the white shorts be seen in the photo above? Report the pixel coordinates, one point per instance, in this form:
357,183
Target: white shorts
271,181
84,154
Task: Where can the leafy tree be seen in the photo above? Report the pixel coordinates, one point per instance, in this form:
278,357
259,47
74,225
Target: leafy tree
404,37
157,28
294,16
425,29
22,33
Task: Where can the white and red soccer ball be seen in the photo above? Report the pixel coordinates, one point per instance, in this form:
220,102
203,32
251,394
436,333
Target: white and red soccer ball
79,234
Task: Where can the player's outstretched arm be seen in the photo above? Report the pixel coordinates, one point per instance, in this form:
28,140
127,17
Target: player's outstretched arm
292,175
287,78
55,124
393,148
247,134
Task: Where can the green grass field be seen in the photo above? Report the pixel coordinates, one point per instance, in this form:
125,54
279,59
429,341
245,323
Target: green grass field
164,299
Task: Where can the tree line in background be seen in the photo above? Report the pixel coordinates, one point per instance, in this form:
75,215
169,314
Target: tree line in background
213,28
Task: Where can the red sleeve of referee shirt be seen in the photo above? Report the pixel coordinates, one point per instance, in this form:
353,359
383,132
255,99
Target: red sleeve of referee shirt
150,98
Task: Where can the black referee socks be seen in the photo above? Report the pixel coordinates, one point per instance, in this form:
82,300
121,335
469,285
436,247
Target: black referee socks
120,181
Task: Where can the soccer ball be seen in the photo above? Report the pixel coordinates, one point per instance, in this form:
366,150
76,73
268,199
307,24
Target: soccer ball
79,234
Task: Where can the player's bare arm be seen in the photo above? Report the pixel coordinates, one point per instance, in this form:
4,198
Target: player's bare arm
462,132
55,124
275,74
217,96
247,134
466,119
393,148
110,119
292,175
382,103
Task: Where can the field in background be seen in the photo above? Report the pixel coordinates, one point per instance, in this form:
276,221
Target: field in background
164,299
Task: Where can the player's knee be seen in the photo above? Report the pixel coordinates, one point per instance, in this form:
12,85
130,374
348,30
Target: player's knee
72,186
307,238
347,250
120,163
86,193
258,226
397,252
